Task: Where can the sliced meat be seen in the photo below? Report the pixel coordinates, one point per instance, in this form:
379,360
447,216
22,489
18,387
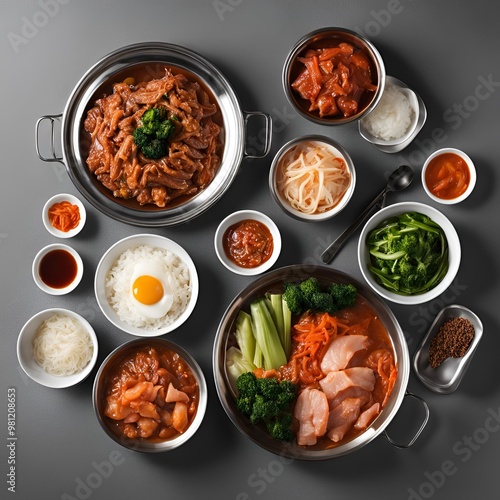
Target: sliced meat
311,410
342,418
341,350
351,392
367,417
338,381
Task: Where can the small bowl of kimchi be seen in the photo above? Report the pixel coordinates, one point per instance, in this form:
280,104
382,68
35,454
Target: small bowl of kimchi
312,178
333,76
64,215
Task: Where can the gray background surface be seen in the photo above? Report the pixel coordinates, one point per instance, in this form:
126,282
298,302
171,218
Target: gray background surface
441,49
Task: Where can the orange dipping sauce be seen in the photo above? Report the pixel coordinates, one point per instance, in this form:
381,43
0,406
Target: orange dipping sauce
248,243
447,176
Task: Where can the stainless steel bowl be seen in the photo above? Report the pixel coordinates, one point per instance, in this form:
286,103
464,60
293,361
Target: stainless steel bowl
93,85
316,39
275,280
98,396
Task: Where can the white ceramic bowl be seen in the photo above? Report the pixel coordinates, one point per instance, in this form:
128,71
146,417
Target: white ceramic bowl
30,365
111,256
338,151
472,171
36,266
239,216
454,250
58,198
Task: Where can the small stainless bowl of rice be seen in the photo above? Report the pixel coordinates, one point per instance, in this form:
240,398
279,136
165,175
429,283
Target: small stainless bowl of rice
57,348
396,119
146,285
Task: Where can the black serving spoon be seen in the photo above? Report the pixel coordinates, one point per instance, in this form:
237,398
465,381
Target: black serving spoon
399,179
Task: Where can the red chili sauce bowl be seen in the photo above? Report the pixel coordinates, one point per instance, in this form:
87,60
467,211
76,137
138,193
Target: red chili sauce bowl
448,176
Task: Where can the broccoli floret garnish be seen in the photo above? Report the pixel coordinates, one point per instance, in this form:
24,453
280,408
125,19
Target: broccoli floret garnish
344,295
155,129
279,428
309,295
267,401
294,298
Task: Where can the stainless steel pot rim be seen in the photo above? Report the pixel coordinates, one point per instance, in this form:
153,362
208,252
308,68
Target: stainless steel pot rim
292,450
234,126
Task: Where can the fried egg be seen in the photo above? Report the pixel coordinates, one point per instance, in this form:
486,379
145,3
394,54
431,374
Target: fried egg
150,289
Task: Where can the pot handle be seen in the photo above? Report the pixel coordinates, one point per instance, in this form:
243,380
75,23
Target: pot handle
267,134
52,119
417,434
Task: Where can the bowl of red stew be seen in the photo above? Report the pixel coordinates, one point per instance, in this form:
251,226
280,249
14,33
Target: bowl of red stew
342,374
449,176
247,242
333,76
150,395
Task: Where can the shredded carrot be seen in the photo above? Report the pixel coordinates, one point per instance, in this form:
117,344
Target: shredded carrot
312,336
64,216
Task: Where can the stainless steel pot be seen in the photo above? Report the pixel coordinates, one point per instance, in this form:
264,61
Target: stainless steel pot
97,80
275,280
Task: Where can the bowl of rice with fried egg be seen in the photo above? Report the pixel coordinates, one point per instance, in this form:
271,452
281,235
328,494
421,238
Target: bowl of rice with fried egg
146,285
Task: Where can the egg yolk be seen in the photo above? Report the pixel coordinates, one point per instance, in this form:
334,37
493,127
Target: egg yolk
147,290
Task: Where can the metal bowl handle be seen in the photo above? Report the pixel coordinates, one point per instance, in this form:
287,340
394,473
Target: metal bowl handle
266,147
52,119
417,434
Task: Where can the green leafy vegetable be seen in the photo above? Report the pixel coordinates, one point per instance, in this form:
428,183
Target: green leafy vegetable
409,253
152,136
236,365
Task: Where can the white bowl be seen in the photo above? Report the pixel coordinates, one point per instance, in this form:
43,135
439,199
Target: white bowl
30,365
454,250
58,198
108,260
239,216
472,171
339,151
36,265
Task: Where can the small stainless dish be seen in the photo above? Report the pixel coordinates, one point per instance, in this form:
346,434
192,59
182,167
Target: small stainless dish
331,37
274,178
101,382
418,120
446,377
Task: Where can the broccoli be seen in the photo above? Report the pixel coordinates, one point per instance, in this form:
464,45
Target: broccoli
409,253
344,295
308,295
267,401
279,428
309,287
294,298
151,137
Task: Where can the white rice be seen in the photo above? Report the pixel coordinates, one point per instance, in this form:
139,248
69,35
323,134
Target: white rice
392,116
117,286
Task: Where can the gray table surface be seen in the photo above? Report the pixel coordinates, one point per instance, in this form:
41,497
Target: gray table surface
447,51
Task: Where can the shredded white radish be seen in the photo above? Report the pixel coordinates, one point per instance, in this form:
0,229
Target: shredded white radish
313,180
62,346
